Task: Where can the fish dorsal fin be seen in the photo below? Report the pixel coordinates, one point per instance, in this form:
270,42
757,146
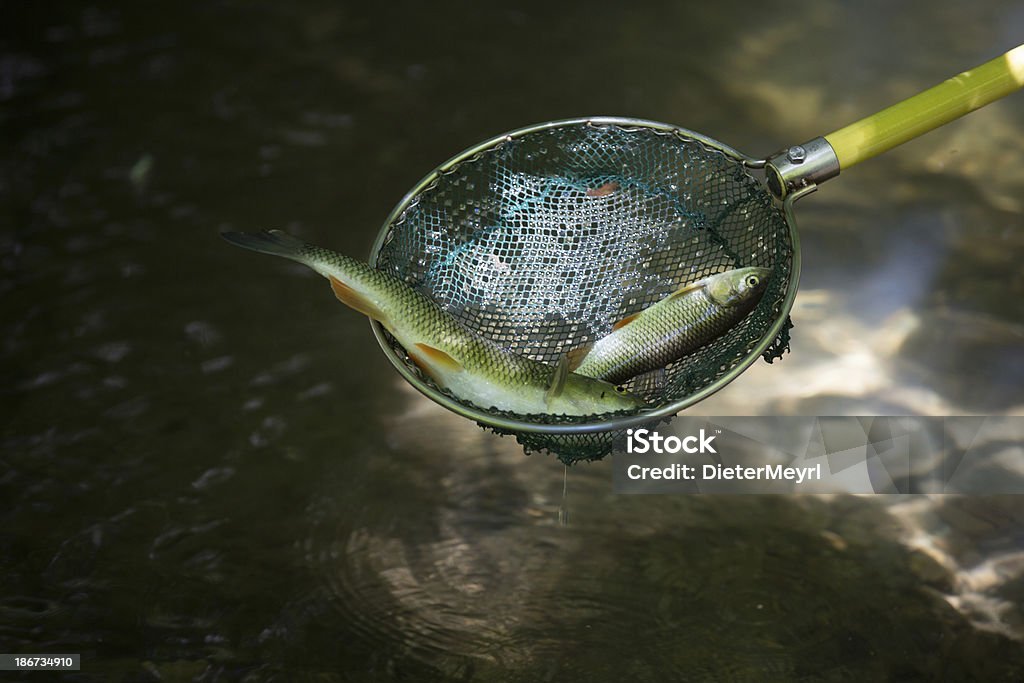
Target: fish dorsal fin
625,321
354,299
430,359
692,287
576,356
558,379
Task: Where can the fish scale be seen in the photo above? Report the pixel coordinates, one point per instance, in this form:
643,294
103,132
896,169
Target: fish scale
468,365
423,318
675,326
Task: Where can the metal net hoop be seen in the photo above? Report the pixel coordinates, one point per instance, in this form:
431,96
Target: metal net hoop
543,238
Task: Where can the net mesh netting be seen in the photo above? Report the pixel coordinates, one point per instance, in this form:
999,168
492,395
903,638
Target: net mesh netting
545,240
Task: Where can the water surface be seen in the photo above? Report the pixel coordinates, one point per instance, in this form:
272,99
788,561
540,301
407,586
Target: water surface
210,472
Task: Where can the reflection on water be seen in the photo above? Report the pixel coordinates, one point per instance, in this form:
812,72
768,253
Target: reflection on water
209,471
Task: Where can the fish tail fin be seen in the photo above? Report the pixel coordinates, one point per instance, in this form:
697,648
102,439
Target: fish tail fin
280,243
274,242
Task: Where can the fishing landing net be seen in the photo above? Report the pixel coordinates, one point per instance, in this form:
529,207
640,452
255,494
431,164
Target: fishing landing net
543,239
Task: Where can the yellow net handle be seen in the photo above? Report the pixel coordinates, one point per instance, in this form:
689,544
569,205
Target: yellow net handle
928,110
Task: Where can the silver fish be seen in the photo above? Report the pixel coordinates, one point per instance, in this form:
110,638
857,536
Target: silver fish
684,321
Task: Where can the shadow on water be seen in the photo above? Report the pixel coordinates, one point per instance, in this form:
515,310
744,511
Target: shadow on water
209,472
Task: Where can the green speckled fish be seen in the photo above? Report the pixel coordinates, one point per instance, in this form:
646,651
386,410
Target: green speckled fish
684,321
471,367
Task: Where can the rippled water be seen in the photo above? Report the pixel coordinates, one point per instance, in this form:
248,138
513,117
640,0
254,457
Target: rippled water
210,472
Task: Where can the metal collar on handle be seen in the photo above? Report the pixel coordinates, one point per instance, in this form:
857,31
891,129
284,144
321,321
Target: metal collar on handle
801,166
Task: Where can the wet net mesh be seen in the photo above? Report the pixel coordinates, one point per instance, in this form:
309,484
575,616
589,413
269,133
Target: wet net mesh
543,241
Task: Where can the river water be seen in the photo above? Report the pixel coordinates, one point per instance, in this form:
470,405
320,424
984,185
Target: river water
210,472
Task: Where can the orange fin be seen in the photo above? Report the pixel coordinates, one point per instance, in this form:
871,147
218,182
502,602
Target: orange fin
354,299
576,356
627,320
437,357
604,190
693,286
422,364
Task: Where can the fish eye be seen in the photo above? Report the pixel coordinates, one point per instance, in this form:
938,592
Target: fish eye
752,280
621,390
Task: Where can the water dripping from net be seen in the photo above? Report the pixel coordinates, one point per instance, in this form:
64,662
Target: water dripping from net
563,507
